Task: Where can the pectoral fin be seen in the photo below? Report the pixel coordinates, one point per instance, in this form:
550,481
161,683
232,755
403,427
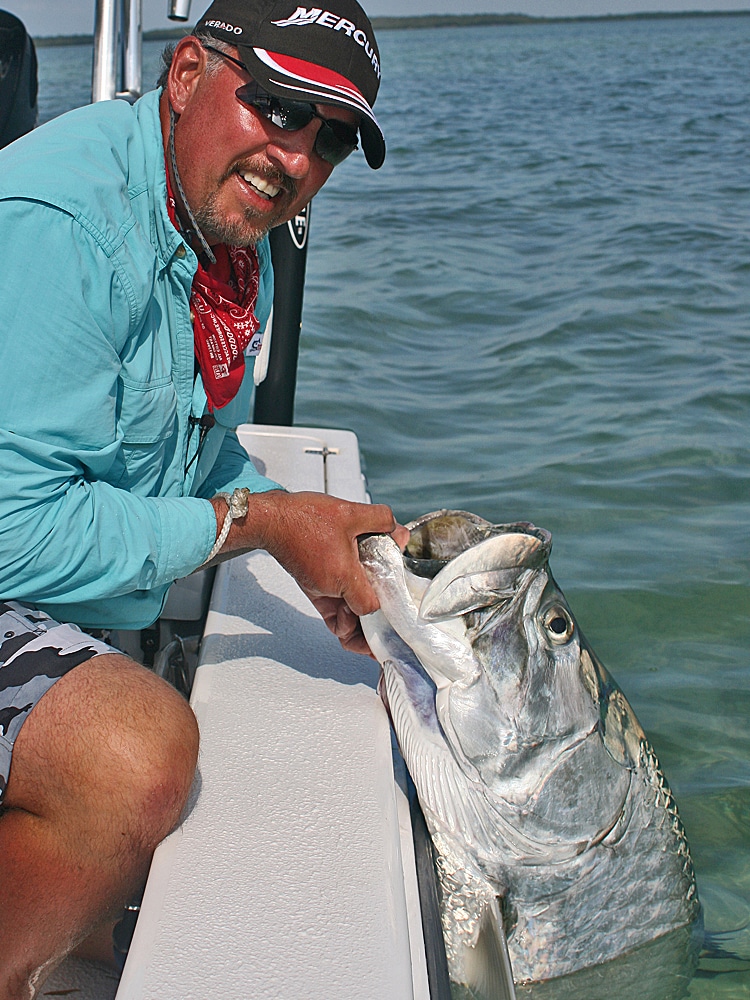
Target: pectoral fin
486,965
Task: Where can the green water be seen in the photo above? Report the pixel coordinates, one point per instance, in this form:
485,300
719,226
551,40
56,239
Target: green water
538,309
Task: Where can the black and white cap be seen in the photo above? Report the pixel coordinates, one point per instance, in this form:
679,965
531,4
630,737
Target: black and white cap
322,55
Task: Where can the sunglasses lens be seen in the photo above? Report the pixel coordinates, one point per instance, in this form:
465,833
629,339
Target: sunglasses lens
291,116
335,141
252,95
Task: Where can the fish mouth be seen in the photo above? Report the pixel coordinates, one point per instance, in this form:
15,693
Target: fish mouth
455,563
437,538
444,652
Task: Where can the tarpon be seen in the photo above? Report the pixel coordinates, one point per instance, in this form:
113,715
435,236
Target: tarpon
553,824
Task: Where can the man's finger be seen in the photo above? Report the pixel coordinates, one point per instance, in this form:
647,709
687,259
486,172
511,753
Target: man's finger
359,595
382,519
401,536
357,644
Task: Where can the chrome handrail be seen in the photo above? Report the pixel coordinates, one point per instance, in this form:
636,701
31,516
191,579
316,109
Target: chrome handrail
106,46
179,10
132,76
118,36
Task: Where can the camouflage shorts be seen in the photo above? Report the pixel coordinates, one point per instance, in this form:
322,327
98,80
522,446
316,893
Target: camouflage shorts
35,651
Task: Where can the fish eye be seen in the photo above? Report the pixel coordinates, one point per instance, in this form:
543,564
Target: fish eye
558,624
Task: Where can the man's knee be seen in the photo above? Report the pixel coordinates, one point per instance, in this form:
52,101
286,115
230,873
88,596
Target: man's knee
109,739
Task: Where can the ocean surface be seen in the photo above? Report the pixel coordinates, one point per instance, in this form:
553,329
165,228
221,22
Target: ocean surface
539,309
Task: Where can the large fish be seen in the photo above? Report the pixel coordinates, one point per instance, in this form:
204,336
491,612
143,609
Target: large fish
552,821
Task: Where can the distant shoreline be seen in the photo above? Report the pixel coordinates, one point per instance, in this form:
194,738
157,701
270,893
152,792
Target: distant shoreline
434,21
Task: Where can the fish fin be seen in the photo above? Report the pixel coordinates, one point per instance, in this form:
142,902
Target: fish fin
486,963
722,952
713,966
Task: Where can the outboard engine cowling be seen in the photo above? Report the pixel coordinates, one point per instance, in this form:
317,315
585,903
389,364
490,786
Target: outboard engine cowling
18,79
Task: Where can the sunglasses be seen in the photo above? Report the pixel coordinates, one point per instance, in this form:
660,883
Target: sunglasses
334,141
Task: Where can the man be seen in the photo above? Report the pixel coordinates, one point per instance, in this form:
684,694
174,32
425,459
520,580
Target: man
131,292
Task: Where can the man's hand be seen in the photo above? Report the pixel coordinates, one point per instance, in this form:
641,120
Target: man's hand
314,537
342,621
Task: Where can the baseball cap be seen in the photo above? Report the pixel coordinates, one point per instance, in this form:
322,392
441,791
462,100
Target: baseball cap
321,55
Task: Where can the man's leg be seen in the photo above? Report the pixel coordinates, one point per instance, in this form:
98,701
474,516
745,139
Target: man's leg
101,770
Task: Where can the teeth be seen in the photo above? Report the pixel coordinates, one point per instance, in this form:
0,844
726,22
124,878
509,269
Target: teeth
261,185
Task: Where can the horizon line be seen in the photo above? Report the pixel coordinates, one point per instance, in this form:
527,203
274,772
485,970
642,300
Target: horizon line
406,21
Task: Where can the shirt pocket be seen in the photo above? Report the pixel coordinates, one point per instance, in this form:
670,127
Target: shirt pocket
147,428
148,411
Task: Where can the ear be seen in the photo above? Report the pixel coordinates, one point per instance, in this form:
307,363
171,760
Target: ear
188,64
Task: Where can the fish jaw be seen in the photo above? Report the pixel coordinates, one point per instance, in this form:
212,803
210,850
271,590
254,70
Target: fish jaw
443,652
455,811
410,695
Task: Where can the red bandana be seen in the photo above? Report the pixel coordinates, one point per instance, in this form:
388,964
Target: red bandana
222,301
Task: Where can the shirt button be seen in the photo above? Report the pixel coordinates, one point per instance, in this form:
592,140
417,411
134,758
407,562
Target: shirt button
180,251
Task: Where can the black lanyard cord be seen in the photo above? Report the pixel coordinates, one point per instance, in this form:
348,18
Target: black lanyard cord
206,422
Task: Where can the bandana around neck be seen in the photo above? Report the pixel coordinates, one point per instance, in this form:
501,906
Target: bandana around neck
222,308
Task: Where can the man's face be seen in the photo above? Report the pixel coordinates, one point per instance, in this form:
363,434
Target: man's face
241,174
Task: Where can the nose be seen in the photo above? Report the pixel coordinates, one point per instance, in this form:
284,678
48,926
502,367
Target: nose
294,151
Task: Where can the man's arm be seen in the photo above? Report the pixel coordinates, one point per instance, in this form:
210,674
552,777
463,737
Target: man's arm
314,537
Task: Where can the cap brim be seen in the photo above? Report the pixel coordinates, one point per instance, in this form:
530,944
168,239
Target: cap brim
298,80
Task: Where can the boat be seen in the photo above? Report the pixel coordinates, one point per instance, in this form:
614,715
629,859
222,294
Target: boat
302,866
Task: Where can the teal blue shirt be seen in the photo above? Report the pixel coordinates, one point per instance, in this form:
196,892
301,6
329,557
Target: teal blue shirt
97,513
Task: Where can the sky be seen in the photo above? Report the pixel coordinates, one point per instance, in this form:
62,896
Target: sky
72,17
